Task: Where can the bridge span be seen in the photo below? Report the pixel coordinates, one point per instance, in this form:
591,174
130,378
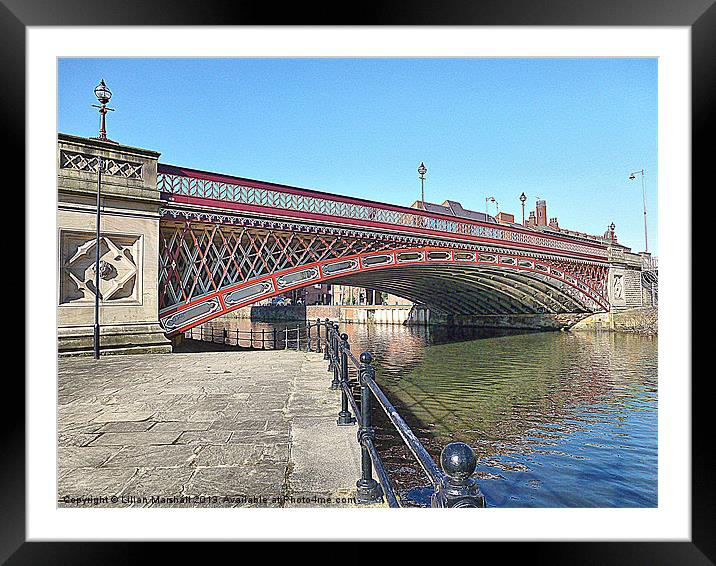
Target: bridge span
227,242
181,246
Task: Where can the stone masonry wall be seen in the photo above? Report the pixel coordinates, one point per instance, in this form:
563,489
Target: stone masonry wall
639,320
274,313
525,321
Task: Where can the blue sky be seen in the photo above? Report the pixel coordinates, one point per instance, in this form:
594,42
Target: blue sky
566,130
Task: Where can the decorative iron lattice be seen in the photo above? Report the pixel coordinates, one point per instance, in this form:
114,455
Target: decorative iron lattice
197,259
88,163
307,202
210,268
594,275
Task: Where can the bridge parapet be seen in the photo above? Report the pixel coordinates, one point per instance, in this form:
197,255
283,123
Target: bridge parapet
649,262
214,191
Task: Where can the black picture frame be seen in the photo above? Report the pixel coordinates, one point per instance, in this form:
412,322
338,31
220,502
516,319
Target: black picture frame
699,15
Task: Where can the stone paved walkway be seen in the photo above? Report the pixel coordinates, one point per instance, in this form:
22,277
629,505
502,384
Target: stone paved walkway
202,429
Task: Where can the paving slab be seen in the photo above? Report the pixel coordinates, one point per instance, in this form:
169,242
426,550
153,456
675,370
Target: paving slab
136,438
203,429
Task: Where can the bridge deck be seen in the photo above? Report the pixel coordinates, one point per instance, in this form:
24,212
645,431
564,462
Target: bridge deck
256,427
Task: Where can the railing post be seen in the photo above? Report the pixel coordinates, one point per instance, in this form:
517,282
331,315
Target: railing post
308,336
334,346
274,338
285,344
458,488
368,490
329,344
344,417
336,383
327,323
318,335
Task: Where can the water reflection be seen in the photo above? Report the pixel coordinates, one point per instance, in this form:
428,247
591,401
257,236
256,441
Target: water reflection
556,418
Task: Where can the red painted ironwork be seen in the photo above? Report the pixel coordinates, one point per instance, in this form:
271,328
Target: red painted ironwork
227,242
246,257
213,191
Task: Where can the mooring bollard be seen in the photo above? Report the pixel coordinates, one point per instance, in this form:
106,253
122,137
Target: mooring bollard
458,488
368,490
318,335
344,417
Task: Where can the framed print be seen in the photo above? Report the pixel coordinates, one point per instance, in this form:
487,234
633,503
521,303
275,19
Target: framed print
458,211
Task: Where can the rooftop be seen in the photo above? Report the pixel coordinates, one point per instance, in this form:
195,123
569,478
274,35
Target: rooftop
453,208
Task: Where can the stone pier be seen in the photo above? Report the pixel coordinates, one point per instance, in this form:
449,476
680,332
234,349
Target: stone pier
220,429
129,247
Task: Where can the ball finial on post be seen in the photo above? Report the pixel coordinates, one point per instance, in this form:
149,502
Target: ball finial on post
458,461
366,358
458,488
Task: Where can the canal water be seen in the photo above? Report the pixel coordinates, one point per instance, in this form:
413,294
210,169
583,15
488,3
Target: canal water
557,419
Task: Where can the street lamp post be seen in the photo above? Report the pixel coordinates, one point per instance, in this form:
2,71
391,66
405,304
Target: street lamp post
421,171
523,198
488,200
97,254
632,176
103,95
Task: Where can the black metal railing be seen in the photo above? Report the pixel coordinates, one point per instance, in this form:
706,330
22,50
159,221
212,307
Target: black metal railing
453,485
303,337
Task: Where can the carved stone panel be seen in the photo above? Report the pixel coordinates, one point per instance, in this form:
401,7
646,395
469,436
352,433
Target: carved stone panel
619,287
617,293
120,268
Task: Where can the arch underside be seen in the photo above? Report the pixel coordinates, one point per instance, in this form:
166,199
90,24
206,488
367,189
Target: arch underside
448,281
471,290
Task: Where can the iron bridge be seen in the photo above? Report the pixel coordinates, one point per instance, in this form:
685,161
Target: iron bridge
227,242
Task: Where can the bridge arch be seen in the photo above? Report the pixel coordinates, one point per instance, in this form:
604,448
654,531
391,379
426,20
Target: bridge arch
448,280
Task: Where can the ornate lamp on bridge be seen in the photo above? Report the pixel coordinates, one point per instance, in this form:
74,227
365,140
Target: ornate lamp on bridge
488,200
421,171
103,95
523,198
632,176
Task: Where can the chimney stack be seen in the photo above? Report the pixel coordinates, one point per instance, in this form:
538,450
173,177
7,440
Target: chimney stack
532,220
541,213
